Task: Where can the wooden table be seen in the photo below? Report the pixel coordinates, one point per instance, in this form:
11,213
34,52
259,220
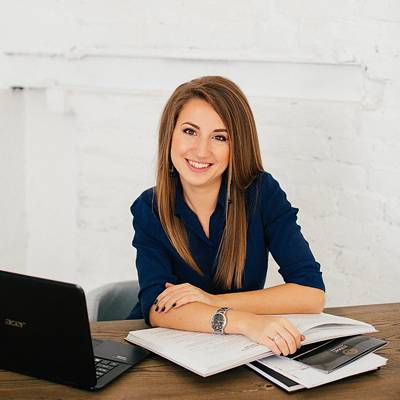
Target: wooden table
157,378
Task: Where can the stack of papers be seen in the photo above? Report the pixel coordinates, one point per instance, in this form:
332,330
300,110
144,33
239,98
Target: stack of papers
293,375
319,363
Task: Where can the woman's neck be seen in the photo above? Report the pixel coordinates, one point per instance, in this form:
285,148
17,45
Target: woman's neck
202,200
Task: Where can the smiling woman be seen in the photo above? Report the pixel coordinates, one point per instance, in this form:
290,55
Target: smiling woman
204,232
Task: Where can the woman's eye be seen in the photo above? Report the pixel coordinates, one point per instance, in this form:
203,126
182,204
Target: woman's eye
220,138
189,131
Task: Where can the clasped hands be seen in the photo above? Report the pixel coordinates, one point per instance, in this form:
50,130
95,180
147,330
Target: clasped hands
277,333
175,296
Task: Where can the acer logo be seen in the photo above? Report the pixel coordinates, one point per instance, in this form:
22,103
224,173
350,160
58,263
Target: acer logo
15,324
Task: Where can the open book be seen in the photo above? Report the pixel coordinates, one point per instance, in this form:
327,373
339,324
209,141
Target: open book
207,354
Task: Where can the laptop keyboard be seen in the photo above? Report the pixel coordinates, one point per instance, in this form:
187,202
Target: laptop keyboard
103,366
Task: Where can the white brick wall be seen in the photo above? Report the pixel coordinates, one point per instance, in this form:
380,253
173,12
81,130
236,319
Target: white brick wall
13,227
78,144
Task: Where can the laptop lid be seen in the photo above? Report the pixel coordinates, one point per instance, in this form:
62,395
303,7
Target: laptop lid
44,330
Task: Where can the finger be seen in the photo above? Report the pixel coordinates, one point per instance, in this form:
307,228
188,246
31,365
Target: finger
187,298
281,343
294,332
160,296
160,307
177,291
170,299
172,304
291,329
272,346
177,300
167,284
168,291
289,339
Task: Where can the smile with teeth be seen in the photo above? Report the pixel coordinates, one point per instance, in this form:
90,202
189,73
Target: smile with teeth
197,165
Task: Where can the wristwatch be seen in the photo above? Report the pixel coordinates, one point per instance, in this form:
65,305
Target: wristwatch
219,320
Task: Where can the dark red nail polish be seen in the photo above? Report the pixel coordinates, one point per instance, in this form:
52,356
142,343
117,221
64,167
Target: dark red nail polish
173,305
163,309
157,308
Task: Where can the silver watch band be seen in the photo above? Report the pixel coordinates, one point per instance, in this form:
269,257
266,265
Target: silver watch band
219,320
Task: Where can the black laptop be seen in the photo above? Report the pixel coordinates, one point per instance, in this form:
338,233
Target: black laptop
45,332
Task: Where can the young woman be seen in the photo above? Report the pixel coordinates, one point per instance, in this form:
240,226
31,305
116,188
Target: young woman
203,234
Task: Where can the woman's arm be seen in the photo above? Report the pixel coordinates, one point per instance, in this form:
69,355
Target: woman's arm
288,298
196,317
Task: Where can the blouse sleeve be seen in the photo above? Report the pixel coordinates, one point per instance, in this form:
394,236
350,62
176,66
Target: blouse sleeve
284,239
152,261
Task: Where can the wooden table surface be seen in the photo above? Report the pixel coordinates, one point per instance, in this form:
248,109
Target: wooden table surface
157,378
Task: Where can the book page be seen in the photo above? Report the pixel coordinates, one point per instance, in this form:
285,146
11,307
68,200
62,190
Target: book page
331,332
305,322
204,352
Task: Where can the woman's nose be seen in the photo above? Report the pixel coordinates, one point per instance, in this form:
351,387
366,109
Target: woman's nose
203,148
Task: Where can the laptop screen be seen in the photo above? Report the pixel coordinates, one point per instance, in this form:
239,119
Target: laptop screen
44,329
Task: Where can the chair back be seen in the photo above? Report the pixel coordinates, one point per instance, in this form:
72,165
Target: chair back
112,301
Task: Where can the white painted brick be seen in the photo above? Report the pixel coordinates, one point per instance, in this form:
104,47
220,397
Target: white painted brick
352,265
320,173
379,277
51,189
323,46
13,223
361,207
387,10
297,145
392,96
134,24
387,240
289,80
382,124
373,93
392,211
370,43
276,36
353,151
387,155
383,66
313,202
384,181
104,258
335,119
45,27
347,233
318,8
365,38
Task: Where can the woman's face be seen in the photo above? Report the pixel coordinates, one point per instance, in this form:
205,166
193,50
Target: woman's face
200,145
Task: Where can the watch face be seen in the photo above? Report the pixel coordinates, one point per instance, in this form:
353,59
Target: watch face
218,323
219,319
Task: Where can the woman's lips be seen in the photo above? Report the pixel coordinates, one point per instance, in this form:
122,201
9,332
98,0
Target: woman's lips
196,166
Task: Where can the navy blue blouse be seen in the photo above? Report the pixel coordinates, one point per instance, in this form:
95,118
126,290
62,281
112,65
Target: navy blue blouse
272,227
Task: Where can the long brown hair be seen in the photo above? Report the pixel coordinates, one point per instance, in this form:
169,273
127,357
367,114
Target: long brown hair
244,164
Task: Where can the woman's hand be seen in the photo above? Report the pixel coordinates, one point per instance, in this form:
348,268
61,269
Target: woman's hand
175,296
277,333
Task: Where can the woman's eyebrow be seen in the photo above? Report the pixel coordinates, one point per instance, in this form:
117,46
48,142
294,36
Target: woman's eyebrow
197,127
